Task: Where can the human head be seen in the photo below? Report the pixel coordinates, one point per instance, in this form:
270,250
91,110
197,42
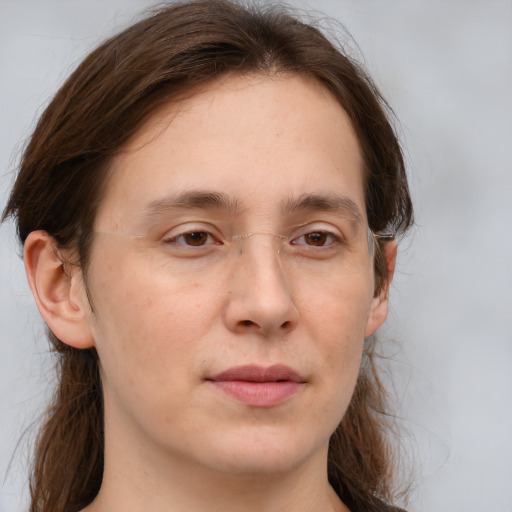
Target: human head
160,60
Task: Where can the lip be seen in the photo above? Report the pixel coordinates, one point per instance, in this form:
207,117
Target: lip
259,386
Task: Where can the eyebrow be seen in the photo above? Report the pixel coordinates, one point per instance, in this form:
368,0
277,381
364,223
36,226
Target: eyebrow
341,205
189,200
199,199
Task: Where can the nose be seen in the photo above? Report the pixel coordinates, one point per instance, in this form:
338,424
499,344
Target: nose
261,298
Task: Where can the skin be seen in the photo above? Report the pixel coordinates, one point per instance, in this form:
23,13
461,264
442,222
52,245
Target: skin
164,321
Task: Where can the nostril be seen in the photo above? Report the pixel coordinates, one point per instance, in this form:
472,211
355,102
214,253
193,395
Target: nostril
250,325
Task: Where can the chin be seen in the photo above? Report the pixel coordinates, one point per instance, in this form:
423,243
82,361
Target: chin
265,453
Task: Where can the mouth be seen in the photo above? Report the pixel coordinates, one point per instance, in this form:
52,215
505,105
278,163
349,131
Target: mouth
259,386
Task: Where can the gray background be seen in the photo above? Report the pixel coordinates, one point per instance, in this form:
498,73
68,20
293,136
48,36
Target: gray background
446,67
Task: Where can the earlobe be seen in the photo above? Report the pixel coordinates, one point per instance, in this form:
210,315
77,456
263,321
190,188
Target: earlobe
58,291
379,307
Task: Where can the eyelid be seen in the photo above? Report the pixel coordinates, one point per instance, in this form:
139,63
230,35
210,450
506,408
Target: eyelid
335,239
191,227
321,227
333,232
188,227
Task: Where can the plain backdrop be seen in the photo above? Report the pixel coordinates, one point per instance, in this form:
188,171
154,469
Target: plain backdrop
446,68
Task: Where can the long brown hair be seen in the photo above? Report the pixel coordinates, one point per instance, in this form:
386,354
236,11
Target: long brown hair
60,184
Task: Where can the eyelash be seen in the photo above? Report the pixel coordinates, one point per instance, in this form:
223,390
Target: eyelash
175,239
334,239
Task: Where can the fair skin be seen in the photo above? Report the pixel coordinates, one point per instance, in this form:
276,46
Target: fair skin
171,311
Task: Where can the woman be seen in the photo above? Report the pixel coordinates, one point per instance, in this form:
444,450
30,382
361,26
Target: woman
208,209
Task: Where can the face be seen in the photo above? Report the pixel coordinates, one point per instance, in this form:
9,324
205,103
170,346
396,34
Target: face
230,277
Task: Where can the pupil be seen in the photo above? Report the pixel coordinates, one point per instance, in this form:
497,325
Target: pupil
316,238
196,238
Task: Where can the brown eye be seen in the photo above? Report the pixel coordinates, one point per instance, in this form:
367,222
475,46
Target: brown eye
191,242
317,238
320,239
195,238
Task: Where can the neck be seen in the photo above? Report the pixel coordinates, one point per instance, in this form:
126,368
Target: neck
151,479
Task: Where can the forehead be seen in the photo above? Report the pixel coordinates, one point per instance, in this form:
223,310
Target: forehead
262,140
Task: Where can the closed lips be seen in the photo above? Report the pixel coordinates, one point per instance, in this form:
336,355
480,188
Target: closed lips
255,373
257,386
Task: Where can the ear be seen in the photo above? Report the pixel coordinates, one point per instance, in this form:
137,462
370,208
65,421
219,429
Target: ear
379,307
59,291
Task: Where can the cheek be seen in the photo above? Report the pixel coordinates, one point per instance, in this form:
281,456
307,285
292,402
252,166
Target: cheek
337,310
150,337
335,316
147,325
